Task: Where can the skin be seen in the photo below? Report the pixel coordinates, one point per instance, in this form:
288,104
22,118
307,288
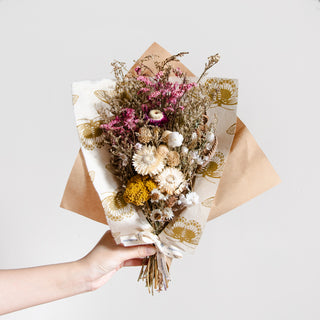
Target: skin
23,288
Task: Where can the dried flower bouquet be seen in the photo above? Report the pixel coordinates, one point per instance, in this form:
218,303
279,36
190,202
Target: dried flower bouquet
159,137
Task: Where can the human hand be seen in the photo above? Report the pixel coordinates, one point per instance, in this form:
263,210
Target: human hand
107,258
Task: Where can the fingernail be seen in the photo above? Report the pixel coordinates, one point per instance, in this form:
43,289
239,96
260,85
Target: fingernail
150,251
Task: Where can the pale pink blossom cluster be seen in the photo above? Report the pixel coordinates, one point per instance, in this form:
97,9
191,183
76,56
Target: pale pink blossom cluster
124,123
163,95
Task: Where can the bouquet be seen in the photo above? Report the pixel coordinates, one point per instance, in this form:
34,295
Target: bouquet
155,148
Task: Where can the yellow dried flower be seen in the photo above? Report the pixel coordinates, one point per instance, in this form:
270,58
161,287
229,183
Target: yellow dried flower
138,190
173,159
145,135
150,185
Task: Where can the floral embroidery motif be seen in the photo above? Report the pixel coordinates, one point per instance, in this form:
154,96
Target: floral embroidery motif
91,135
116,208
214,169
208,202
232,129
223,92
74,99
102,95
186,231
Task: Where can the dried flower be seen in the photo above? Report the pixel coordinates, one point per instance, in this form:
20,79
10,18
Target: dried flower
155,132
168,214
189,199
162,150
173,159
122,124
165,135
147,161
210,136
184,150
156,117
156,195
172,200
171,181
150,185
138,146
156,215
175,139
144,135
138,190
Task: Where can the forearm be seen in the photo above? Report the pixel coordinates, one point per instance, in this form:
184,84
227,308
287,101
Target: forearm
24,288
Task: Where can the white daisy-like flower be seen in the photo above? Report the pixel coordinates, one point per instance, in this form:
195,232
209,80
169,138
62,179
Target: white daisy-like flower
189,199
156,215
147,161
171,181
175,139
168,213
156,195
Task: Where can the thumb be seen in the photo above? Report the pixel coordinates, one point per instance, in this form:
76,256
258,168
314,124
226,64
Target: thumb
138,252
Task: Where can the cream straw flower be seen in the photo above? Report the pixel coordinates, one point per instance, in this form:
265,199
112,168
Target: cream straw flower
147,161
155,114
175,139
171,181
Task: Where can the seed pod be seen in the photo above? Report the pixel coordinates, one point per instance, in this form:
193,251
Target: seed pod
145,135
173,159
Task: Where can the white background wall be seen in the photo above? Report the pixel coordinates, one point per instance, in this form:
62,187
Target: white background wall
260,261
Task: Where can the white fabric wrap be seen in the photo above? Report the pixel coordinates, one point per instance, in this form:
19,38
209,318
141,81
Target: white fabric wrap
128,225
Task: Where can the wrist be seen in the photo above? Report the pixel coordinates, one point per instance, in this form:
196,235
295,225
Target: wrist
83,275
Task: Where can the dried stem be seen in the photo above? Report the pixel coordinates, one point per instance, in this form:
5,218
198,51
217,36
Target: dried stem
212,60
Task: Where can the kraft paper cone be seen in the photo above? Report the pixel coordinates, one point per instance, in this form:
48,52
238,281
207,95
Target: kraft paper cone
247,172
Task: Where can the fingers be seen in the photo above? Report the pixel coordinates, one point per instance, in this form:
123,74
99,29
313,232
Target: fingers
134,262
138,252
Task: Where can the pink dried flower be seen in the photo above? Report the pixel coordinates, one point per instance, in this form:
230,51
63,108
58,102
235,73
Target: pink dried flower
154,95
145,89
156,117
124,123
159,75
137,70
145,80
